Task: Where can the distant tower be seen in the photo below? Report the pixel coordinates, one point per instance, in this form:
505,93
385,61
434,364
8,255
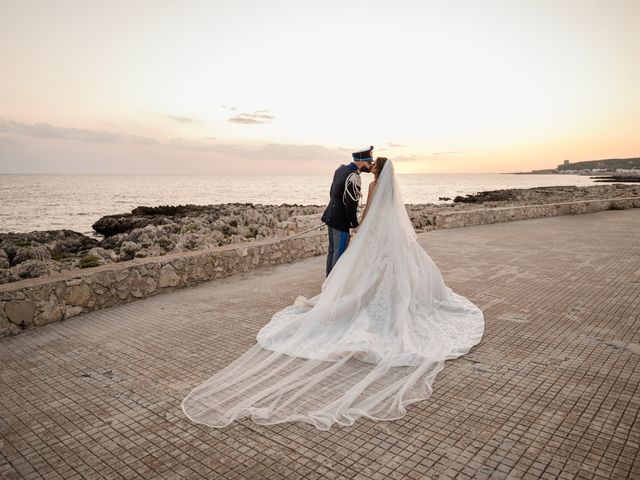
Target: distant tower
566,162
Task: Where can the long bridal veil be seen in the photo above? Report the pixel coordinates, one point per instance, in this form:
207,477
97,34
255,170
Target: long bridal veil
369,344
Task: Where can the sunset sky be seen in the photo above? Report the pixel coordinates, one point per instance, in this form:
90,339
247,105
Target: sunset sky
294,86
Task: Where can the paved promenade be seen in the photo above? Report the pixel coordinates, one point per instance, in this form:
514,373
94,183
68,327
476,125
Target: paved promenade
550,392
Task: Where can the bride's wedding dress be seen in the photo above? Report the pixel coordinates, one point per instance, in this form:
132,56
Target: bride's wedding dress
369,344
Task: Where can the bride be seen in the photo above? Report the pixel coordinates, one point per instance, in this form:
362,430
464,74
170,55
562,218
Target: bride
369,344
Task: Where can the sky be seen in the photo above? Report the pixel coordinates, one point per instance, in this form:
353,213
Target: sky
272,86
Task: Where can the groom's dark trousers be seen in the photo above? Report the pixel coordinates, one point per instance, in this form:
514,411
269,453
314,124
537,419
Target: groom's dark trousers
338,241
341,214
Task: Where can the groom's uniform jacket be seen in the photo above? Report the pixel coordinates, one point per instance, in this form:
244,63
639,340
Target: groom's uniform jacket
342,211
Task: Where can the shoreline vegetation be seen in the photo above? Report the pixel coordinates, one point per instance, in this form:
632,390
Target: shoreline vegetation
157,231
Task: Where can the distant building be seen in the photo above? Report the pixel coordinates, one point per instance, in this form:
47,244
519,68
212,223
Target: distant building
566,162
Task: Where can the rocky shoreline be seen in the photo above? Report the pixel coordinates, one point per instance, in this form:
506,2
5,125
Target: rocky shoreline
157,231
618,178
148,232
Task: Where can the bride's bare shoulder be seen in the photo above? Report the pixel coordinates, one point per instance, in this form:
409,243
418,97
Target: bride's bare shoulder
372,191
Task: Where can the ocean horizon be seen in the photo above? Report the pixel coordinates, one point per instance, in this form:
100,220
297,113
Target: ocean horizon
75,201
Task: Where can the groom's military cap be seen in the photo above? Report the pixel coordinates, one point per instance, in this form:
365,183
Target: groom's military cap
364,155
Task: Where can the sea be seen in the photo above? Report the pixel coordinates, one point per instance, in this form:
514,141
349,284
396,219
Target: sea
75,202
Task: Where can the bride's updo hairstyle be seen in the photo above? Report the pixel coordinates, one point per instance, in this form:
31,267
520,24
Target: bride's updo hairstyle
380,161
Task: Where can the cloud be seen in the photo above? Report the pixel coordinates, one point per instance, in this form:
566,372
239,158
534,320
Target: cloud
45,148
395,145
45,130
82,135
180,119
427,158
412,158
448,153
303,153
258,116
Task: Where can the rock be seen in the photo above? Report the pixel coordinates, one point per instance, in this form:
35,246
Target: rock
4,259
77,295
89,261
40,294
33,268
137,284
188,242
124,223
552,194
72,312
20,312
617,178
143,286
105,256
168,276
122,294
53,249
128,250
7,327
7,276
197,271
14,295
113,242
178,263
51,312
104,279
488,196
122,274
39,252
190,227
59,244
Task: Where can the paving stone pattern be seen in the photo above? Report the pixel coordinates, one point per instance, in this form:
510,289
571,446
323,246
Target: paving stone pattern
550,392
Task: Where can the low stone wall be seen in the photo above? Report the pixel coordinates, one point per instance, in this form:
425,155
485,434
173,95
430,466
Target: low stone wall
35,302
466,218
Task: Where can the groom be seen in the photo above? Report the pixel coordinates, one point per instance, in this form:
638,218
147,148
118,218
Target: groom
342,212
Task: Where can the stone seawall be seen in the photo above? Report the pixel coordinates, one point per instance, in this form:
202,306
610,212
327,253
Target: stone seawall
39,301
35,302
481,216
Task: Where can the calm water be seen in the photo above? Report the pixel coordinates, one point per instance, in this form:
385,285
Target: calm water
43,202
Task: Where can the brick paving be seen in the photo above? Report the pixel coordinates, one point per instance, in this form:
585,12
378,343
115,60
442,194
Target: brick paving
551,392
